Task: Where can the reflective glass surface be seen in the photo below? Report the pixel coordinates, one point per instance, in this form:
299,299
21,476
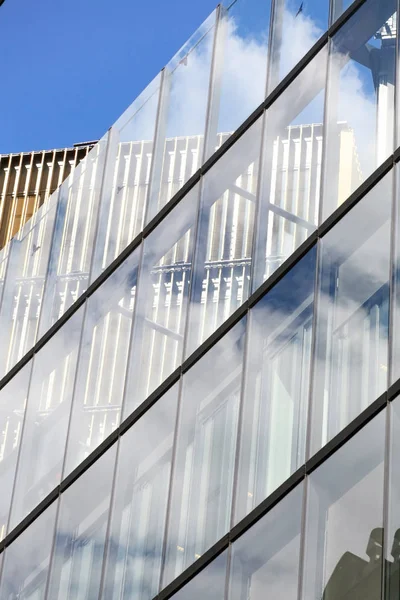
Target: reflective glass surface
265,561
81,533
27,559
102,362
360,108
351,356
392,536
46,421
140,502
291,169
24,285
276,392
182,120
209,583
240,68
344,532
126,178
163,297
297,26
395,298
221,278
74,231
205,453
12,411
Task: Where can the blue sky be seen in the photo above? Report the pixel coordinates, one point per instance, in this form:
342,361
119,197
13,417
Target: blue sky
71,67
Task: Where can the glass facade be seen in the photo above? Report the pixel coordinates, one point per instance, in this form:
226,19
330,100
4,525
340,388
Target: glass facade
199,352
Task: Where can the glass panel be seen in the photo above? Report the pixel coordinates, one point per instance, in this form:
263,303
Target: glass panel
338,7
102,364
277,386
162,304
205,453
12,411
23,287
179,145
224,239
140,503
47,415
81,532
392,538
351,356
345,520
395,299
124,195
265,560
297,26
291,173
27,559
360,104
71,251
240,68
209,583
4,252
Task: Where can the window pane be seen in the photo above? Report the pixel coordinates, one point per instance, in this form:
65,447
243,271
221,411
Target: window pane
124,194
240,70
395,299
4,252
140,503
352,321
360,124
24,284
205,453
291,173
265,560
345,520
224,239
179,146
163,296
392,538
48,410
12,411
277,386
297,26
102,363
26,560
80,533
71,250
209,583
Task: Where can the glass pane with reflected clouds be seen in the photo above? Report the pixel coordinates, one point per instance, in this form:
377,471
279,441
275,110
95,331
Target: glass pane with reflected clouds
27,559
47,416
136,532
392,539
81,533
291,169
265,561
182,118
360,107
351,356
125,185
73,241
162,302
344,524
205,453
240,69
221,277
297,26
209,583
275,400
24,285
12,412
